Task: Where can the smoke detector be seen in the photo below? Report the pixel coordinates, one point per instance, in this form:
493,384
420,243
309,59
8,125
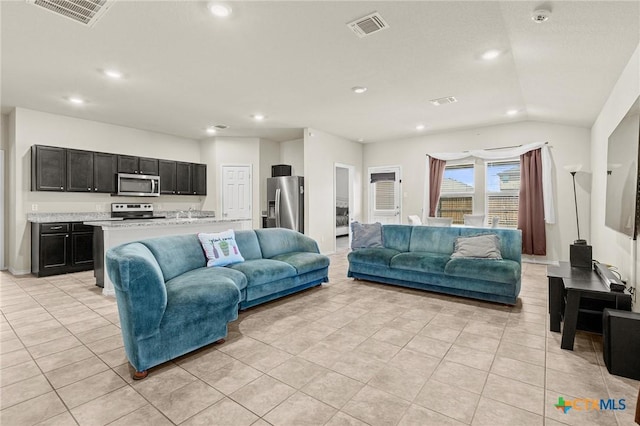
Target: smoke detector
368,25
86,12
541,15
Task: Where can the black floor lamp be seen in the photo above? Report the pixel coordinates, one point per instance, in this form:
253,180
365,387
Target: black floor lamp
580,253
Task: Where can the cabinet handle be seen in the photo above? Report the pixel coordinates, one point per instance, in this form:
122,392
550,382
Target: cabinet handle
89,189
66,236
53,228
95,189
61,187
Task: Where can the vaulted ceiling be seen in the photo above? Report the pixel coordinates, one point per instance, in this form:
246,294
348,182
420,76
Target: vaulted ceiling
296,62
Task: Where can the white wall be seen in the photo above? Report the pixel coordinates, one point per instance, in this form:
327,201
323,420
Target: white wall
269,156
28,127
292,153
570,145
342,183
4,146
610,246
234,151
321,152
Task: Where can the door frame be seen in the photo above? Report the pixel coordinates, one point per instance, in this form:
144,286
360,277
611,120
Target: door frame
379,169
351,179
221,197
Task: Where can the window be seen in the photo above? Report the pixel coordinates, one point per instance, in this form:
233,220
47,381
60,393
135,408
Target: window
456,192
502,190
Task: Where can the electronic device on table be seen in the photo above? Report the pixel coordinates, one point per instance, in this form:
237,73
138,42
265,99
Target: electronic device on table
612,282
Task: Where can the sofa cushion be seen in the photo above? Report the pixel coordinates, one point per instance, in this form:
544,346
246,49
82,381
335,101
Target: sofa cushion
502,271
262,271
220,248
431,263
366,235
373,256
176,254
275,241
211,274
433,239
303,261
248,244
397,237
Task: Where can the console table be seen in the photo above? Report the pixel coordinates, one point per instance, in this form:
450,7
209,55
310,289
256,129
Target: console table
579,296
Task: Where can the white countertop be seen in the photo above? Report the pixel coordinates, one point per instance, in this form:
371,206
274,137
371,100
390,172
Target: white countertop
105,216
151,223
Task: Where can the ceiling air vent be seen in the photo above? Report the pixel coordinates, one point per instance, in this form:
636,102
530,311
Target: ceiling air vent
368,25
221,126
86,12
443,101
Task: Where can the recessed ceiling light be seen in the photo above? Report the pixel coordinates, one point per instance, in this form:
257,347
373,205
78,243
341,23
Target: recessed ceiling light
444,101
541,15
420,127
491,54
115,74
220,10
259,117
76,100
360,140
359,89
512,112
211,130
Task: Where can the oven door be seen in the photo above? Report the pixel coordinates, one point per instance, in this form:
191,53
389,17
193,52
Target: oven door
138,185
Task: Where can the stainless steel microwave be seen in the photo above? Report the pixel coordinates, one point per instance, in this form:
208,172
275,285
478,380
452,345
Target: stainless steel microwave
138,185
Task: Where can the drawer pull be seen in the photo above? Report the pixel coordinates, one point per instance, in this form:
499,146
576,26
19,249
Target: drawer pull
53,228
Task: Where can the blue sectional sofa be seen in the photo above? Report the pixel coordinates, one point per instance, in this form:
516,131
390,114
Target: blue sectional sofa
420,257
170,303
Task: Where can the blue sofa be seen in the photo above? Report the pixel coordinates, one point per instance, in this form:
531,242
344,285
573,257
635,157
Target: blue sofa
170,303
420,257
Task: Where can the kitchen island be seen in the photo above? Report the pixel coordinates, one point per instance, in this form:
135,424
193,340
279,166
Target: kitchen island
111,233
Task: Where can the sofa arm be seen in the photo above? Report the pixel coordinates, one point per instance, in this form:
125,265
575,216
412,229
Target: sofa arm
140,289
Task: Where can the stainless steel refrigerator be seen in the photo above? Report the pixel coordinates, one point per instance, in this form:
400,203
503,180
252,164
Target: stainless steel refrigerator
285,202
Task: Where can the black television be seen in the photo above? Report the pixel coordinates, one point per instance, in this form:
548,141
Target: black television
623,175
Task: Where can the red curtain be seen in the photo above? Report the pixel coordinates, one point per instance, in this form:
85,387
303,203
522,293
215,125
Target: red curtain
436,173
531,206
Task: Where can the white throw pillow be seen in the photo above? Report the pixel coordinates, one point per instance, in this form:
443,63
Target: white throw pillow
220,248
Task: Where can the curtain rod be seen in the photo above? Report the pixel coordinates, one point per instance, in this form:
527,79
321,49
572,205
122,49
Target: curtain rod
504,147
508,147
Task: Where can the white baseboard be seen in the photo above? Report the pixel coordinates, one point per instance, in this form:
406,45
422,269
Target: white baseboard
19,272
537,260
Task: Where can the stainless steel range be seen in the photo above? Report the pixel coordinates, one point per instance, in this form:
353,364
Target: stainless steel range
128,211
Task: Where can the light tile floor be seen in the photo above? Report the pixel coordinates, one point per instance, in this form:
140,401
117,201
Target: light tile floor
347,353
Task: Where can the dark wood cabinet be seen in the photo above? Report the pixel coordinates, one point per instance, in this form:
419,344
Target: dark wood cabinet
183,178
60,248
48,168
79,171
148,166
199,179
137,165
74,170
167,173
127,164
81,245
105,168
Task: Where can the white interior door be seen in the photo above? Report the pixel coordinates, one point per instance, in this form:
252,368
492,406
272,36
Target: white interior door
384,194
236,192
